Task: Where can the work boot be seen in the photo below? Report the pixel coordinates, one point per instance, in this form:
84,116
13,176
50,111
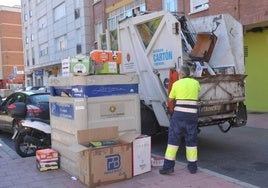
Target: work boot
166,171
168,167
192,167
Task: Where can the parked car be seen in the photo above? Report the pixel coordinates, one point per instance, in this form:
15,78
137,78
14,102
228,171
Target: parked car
37,104
43,88
29,88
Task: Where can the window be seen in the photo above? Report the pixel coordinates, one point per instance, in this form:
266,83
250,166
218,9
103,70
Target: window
199,5
25,17
33,59
76,13
31,13
59,12
170,5
43,49
95,1
42,23
78,48
27,58
79,41
76,9
98,30
61,43
32,37
27,40
123,12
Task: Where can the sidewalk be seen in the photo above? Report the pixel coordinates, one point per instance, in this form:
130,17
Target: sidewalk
16,172
257,120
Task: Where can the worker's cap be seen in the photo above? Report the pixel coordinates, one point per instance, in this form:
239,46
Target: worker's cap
185,70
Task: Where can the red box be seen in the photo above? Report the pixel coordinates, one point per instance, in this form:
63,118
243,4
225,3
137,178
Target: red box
46,155
102,56
47,159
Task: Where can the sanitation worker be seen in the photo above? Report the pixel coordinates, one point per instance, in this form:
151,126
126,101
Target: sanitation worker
183,122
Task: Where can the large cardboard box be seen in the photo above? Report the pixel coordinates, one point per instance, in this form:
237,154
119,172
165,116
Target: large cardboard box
106,164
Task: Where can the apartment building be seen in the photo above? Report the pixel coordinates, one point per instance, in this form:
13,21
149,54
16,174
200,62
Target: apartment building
53,30
11,49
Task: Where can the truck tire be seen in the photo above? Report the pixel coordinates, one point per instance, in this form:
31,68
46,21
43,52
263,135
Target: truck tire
149,123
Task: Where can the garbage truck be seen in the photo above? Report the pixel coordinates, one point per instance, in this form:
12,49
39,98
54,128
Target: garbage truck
154,45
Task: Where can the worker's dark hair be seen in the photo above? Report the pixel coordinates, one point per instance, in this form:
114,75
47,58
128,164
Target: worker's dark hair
185,70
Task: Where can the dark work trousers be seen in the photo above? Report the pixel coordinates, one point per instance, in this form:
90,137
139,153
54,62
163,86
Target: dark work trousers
181,124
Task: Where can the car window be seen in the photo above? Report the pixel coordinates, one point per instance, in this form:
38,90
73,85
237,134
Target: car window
15,97
20,97
9,100
34,99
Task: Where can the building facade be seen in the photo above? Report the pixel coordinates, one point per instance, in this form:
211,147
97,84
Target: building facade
11,49
52,31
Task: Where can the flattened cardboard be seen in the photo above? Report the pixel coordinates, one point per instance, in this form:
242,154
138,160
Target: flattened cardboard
98,134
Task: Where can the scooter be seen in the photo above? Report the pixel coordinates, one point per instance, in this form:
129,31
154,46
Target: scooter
32,134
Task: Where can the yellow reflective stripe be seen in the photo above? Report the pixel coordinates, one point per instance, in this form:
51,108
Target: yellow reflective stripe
182,109
187,102
171,152
191,153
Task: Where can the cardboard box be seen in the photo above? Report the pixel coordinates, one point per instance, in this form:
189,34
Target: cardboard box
157,161
106,164
80,65
47,159
141,155
44,166
106,68
47,155
101,56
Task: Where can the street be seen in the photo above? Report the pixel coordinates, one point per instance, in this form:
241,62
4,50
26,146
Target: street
240,154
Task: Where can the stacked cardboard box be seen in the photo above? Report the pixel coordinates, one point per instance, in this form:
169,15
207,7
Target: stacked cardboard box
47,159
84,101
95,102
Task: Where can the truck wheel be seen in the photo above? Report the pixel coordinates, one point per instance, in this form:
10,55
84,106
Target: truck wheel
149,123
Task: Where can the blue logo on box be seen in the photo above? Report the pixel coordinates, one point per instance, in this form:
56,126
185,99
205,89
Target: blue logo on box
113,162
62,110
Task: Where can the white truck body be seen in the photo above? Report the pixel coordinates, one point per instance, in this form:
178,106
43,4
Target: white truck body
155,43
